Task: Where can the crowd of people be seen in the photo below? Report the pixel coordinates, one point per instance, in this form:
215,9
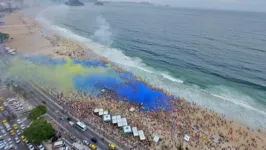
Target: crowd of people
207,130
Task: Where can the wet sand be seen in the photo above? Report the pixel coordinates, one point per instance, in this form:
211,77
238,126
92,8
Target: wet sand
27,36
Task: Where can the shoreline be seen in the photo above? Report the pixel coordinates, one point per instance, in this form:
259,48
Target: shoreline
63,47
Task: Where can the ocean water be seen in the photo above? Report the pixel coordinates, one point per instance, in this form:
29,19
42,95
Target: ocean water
216,59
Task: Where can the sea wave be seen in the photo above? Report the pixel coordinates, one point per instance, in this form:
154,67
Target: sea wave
224,101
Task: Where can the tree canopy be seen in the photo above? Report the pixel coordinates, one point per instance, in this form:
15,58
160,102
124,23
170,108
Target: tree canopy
39,130
37,112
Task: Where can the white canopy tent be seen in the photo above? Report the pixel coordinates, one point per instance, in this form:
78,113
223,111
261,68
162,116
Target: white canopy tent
96,110
141,135
127,129
156,138
135,131
106,117
115,119
119,122
187,137
124,122
105,112
100,111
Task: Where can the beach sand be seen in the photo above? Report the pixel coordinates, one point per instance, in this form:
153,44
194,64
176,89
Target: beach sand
27,36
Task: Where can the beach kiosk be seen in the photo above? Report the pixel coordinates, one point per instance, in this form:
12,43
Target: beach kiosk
96,110
187,138
156,138
119,122
135,131
106,118
115,118
141,135
127,129
100,112
122,122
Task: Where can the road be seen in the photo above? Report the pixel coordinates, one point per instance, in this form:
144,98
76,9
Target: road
35,98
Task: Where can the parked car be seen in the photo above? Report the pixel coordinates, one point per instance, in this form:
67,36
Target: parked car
19,121
94,140
40,147
22,126
9,141
3,132
18,132
17,139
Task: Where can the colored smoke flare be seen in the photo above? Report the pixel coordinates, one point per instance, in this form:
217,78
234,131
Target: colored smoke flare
87,76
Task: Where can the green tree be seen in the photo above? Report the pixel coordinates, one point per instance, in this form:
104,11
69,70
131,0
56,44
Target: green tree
39,130
37,112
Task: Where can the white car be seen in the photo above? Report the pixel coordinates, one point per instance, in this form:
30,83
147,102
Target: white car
30,147
17,139
3,132
19,121
18,132
9,141
22,126
40,147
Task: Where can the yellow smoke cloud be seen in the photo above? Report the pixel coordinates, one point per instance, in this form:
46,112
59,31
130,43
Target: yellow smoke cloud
59,76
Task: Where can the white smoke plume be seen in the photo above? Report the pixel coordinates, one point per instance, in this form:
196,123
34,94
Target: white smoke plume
103,33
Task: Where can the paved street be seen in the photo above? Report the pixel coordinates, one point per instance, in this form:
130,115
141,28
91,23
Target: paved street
36,98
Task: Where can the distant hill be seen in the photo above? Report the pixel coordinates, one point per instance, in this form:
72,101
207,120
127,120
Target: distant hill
74,3
98,3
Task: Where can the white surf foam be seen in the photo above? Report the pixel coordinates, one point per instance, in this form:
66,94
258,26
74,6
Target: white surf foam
224,102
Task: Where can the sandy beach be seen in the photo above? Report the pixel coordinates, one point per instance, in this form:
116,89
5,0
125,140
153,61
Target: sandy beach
207,130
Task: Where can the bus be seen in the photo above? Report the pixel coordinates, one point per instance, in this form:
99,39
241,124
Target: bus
81,126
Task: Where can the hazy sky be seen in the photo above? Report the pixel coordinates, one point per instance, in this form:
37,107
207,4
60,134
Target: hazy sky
249,5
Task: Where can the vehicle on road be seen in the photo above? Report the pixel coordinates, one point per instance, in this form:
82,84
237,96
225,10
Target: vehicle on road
40,147
81,126
85,142
6,147
111,146
22,126
4,121
71,123
94,140
8,128
30,147
9,140
18,132
44,102
59,144
93,147
19,121
1,127
2,143
1,108
12,132
17,139
3,132
15,126
23,139
73,138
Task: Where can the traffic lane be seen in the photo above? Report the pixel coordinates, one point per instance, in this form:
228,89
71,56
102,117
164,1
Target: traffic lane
51,104
37,99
